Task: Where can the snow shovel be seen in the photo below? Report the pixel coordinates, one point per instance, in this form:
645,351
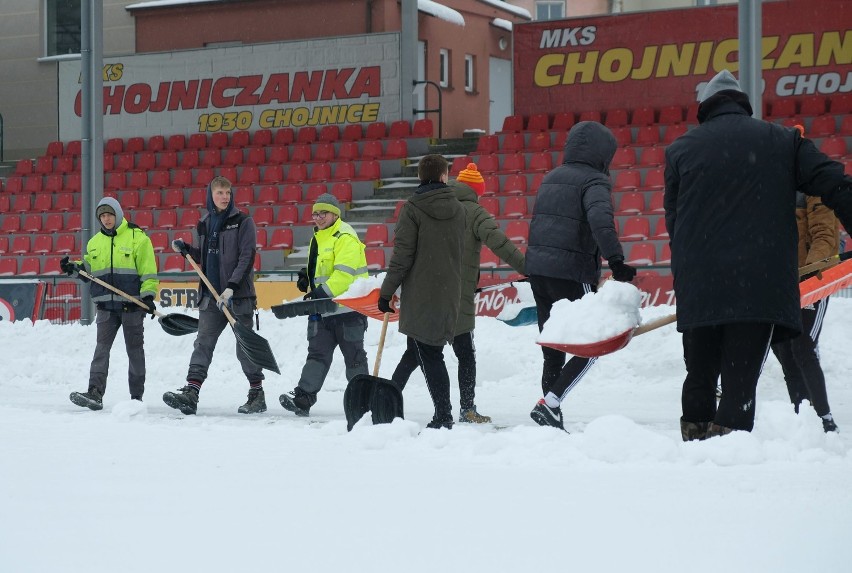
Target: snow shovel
610,345
174,324
304,308
254,345
365,393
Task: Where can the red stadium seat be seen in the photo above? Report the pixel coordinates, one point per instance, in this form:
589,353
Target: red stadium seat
43,244
653,156
20,245
352,132
376,235
43,202
30,266
8,266
834,147
487,144
636,229
563,121
314,191
307,134
155,143
32,223
515,207
287,215
64,202
655,204
518,231
4,245
648,135
66,243
160,241
291,193
665,257
263,216
671,115
329,133
53,223
64,164
282,238
74,222
267,195
487,259
513,123
642,254
623,135
54,149
812,105
167,219
320,172
173,264
822,126
660,231
422,128
324,152
627,180
616,118
642,116
782,108
515,184
538,122
630,204
624,158
343,191
397,149
375,258
176,143
348,151
399,129
673,132
376,130
541,161
189,218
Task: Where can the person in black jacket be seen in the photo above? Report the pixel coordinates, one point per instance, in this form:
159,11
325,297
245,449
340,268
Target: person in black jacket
571,229
730,203
226,252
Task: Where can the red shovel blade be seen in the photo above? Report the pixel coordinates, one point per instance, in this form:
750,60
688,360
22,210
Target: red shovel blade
368,305
593,349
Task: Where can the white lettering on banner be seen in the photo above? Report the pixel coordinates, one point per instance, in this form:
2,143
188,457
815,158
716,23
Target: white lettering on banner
562,37
490,303
810,84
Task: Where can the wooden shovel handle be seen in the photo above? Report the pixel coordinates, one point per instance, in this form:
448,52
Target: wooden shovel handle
194,265
118,291
381,345
654,324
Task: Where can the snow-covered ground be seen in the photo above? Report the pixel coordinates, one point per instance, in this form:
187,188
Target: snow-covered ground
148,489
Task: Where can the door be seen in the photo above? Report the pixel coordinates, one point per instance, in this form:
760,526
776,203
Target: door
499,92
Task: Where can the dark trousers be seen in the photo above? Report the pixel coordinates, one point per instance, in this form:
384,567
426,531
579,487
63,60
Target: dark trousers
211,323
736,352
324,335
465,352
558,376
431,361
132,323
799,358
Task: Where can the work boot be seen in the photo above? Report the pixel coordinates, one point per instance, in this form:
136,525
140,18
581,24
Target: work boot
255,404
471,416
437,423
93,399
828,424
298,401
544,415
690,431
717,430
185,399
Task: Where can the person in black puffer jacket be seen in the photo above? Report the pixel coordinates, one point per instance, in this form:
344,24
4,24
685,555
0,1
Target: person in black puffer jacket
571,229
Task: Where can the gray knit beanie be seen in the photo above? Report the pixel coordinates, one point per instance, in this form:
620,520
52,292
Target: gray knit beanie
327,202
724,80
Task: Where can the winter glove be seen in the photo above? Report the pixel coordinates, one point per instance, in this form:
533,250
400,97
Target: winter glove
179,246
620,271
69,268
225,299
315,294
385,305
303,282
149,302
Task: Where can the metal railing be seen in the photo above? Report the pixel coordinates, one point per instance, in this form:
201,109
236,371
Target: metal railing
438,110
1,137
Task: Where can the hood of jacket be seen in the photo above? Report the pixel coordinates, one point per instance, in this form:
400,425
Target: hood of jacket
119,213
590,143
437,200
463,192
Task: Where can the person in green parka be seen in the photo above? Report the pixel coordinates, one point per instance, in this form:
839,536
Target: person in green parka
480,227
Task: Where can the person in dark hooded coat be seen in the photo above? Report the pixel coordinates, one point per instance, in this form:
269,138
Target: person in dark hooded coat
730,203
426,263
572,227
226,252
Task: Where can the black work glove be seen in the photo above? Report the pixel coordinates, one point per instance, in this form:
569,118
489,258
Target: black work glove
315,294
69,268
179,246
149,302
620,271
385,305
303,282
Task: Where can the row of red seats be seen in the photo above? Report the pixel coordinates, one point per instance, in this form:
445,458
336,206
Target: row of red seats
422,128
64,243
41,202
53,223
815,105
229,157
624,158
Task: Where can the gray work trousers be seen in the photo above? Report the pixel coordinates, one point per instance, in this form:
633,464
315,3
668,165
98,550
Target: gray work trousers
324,335
211,323
108,323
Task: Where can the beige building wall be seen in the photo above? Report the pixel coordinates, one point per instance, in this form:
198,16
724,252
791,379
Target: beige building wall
28,90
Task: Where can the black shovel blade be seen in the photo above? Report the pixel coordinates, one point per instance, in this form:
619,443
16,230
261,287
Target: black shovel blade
178,324
256,347
366,393
304,308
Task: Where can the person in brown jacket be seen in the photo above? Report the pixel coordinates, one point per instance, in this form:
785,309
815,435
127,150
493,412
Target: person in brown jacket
426,263
480,227
819,238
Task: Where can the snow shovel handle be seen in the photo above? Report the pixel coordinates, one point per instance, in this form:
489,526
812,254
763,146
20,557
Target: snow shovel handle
381,345
654,324
194,265
119,292
823,264
501,285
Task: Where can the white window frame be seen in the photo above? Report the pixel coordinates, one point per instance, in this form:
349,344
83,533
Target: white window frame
550,5
444,67
48,27
469,73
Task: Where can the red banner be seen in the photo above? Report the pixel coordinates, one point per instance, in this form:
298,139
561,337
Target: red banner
663,58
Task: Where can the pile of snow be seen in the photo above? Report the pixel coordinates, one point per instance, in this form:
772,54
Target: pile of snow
364,286
612,310
524,300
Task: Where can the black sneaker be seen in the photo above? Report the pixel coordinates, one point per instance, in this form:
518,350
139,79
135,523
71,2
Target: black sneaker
185,399
255,404
437,424
544,415
93,399
298,402
828,425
